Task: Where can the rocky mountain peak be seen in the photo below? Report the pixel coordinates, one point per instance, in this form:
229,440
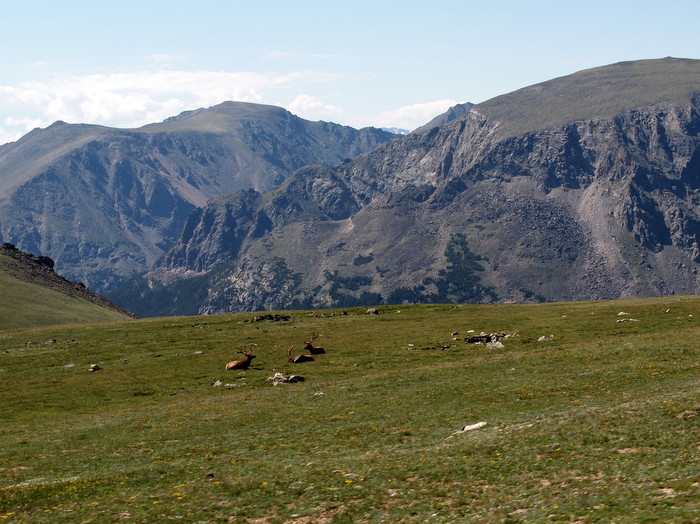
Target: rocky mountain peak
584,187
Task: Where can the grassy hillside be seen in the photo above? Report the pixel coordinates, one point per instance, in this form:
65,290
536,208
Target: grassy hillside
599,423
30,297
601,92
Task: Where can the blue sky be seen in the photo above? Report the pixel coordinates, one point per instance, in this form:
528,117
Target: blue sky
359,63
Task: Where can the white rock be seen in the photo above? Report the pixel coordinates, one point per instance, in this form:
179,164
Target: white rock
472,427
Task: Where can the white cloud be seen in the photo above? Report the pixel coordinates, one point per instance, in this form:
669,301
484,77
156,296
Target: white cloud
311,108
414,115
138,98
133,99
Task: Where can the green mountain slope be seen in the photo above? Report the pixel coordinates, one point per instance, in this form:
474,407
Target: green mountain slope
598,93
31,294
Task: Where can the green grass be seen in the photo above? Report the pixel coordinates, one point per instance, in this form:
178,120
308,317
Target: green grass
24,304
599,424
601,92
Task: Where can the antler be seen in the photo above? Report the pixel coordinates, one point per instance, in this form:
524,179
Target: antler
289,351
313,337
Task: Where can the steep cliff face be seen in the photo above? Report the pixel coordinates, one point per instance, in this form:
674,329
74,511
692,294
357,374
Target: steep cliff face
491,206
107,203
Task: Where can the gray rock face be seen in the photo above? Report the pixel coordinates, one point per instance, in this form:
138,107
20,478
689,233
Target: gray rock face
106,203
506,203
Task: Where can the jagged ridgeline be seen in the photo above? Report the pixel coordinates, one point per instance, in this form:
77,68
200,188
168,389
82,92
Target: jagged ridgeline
583,187
107,203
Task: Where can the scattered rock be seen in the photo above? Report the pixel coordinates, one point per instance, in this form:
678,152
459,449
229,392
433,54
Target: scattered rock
544,338
619,320
271,318
688,414
279,378
489,338
372,311
471,427
94,367
439,347
623,314
482,338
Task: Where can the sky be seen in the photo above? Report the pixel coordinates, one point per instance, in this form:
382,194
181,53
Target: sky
382,63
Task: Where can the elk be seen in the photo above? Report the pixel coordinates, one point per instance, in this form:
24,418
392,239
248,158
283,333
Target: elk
241,364
299,358
314,350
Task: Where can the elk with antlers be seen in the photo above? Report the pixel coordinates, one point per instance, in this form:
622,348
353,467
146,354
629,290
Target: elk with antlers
299,358
313,350
241,364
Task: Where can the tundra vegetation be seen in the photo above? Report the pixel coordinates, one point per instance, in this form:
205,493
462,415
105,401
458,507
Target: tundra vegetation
401,420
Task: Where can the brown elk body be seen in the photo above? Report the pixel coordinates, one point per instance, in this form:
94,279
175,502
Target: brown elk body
241,364
313,350
299,358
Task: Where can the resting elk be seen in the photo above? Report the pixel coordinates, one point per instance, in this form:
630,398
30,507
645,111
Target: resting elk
299,358
313,350
241,364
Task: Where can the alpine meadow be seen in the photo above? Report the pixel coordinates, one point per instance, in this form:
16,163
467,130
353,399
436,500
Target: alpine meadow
401,420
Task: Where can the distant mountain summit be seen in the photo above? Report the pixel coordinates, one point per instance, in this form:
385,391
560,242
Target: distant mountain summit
396,130
451,114
582,187
106,203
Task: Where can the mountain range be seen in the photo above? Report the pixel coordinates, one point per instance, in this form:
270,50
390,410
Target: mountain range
106,203
582,187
